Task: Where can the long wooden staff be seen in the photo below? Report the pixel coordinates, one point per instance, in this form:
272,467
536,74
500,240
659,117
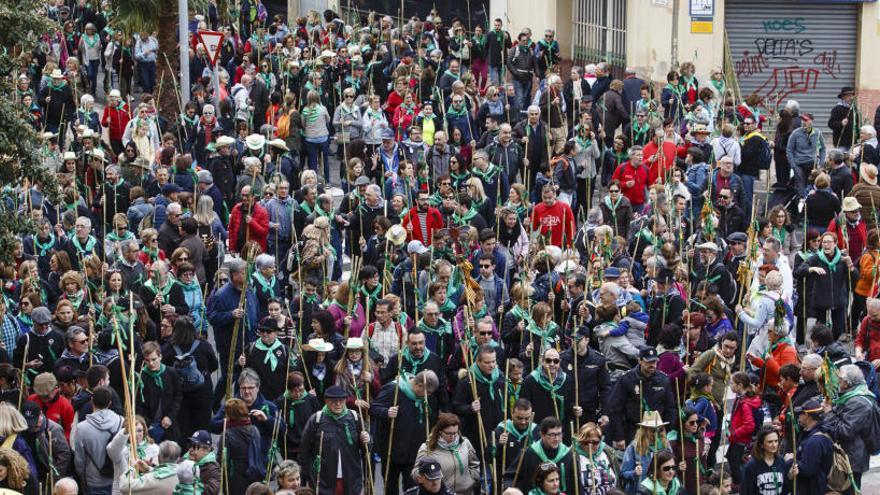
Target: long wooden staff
575,457
522,451
468,359
368,463
23,384
391,429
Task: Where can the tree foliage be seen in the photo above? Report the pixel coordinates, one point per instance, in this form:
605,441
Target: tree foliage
20,162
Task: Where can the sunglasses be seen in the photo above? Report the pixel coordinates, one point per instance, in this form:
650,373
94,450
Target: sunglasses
551,361
667,469
486,333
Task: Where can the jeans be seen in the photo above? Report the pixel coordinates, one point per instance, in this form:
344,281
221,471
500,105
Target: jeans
147,76
748,191
98,490
495,76
92,72
313,150
523,91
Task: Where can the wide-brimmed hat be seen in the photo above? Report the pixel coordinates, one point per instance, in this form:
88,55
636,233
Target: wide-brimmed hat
354,343
48,135
279,143
57,74
318,345
68,155
846,90
142,162
396,235
114,93
255,141
652,419
224,141
327,54
868,173
851,204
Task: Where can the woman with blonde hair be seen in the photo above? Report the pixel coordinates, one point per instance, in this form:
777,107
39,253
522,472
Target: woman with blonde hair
479,199
650,438
15,473
316,135
597,470
457,457
355,372
119,449
12,423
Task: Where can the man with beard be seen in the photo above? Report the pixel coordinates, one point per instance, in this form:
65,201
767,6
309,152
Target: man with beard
514,435
415,358
361,222
713,271
505,152
422,221
554,218
548,449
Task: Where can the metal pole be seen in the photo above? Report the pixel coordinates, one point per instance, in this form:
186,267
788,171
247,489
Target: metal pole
215,81
183,36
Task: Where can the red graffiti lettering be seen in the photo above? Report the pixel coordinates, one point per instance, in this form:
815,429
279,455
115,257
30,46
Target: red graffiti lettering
785,81
750,64
827,61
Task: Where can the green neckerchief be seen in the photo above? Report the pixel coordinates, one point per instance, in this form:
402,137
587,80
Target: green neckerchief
696,394
537,491
327,412
676,90
114,237
26,319
463,219
310,114
86,114
412,361
613,208
832,264
489,175
88,248
453,448
719,86
267,286
191,121
310,298
270,358
321,213
510,428
193,286
317,89
561,452
305,206
522,314
547,335
772,347
457,179
455,76
489,381
76,299
499,37
91,41
519,208
653,487
448,306
155,375
553,388
420,403
372,296
639,131
858,390
151,285
456,112
378,115
291,403
780,233
408,109
688,83
44,248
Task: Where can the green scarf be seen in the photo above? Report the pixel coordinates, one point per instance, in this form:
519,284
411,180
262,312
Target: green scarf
857,391
780,233
676,90
772,347
114,237
267,286
453,449
832,264
44,248
84,250
554,388
310,114
688,83
91,41
155,375
337,417
548,335
306,208
415,363
164,290
719,86
640,131
163,471
563,450
152,254
510,428
459,112
653,487
522,314
420,403
464,219
290,404
270,358
489,381
443,328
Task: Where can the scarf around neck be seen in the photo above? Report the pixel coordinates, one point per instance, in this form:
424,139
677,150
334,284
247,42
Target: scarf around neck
271,359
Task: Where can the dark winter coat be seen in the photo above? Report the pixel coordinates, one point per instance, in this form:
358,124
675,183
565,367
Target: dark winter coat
336,441
624,404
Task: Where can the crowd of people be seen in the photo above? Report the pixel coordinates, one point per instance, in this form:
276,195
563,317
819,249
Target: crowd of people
425,256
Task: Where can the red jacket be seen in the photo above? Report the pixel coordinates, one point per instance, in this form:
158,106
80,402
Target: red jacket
857,236
626,172
554,219
259,226
782,355
868,338
665,162
58,410
742,421
433,222
115,120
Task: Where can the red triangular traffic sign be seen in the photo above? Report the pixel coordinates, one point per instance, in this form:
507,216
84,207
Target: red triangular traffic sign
212,41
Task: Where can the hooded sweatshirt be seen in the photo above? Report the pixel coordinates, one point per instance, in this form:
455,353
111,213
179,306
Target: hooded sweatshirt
90,446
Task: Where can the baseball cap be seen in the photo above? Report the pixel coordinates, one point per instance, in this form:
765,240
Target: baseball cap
416,247
430,468
201,437
31,412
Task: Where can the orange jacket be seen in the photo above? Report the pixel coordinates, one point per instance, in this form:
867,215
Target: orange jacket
783,354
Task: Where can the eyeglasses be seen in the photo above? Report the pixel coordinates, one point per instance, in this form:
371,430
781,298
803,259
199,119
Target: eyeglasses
691,422
592,442
83,341
486,333
668,468
724,196
348,97
614,191
551,361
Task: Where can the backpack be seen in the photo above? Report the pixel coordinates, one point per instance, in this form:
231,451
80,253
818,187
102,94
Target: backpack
839,475
185,365
293,258
283,126
764,154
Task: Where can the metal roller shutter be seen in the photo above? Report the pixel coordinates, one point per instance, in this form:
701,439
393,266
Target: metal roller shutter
786,50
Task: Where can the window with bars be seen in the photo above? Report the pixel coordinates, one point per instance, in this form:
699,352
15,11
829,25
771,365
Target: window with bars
599,33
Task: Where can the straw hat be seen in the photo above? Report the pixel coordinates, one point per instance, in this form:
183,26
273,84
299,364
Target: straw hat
279,143
851,204
868,173
652,419
57,74
224,141
354,343
68,155
318,345
396,235
255,141
99,154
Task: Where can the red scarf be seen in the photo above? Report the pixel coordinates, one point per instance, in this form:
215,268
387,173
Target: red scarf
208,125
232,423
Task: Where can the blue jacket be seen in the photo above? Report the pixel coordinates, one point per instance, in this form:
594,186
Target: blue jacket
464,123
706,411
220,306
736,187
814,456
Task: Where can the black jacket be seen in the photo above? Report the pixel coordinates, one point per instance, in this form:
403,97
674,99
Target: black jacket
47,348
491,407
731,219
155,402
494,47
663,309
434,363
337,441
206,362
271,381
295,414
522,64
409,426
717,275
525,477
542,403
594,382
842,134
830,291
509,455
624,404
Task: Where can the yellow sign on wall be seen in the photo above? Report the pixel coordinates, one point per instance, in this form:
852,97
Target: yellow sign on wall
701,27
